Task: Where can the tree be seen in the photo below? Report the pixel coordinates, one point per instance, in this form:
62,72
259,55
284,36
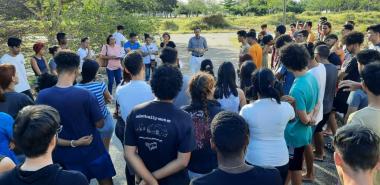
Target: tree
197,7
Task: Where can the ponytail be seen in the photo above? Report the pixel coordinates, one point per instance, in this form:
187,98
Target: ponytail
273,93
265,84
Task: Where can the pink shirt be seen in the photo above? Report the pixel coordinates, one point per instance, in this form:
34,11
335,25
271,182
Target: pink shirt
113,64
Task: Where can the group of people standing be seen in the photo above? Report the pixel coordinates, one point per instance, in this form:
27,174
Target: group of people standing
200,129
327,84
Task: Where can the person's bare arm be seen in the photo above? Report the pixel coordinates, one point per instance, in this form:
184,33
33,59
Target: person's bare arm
83,141
46,64
350,85
107,96
243,100
350,110
304,117
6,164
315,113
35,66
341,76
134,160
108,57
174,166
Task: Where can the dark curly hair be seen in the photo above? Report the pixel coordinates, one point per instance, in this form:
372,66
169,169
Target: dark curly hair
294,57
200,87
282,41
166,82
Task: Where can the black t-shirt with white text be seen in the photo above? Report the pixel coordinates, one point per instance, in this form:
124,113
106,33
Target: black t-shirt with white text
160,130
255,176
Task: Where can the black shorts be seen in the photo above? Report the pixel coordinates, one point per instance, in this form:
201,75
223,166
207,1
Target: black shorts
340,102
322,123
296,158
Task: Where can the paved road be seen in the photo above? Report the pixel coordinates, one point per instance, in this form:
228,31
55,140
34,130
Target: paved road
221,49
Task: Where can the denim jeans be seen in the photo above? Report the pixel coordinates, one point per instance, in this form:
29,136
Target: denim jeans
113,75
148,69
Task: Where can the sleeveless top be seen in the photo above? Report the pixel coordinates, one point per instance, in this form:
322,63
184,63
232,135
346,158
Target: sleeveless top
231,103
41,64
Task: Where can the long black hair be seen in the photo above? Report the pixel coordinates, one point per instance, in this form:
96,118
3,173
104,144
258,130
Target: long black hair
226,83
265,84
246,71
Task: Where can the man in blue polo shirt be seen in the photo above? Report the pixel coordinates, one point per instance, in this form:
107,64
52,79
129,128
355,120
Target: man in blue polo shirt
197,46
132,44
79,147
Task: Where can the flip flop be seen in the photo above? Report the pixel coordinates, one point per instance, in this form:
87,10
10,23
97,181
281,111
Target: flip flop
305,179
319,159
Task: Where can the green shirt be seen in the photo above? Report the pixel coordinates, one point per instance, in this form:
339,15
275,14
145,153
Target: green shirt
305,92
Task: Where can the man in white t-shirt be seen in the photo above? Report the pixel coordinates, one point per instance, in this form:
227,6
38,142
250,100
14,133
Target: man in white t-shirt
84,51
374,37
137,91
119,37
318,70
17,59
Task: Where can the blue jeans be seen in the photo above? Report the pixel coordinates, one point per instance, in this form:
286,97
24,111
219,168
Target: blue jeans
113,75
147,71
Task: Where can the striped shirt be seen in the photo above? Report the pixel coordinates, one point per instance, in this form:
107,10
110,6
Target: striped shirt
98,89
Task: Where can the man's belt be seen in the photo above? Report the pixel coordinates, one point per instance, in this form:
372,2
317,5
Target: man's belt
194,55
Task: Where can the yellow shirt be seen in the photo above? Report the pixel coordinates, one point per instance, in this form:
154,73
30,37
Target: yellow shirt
311,37
370,118
256,53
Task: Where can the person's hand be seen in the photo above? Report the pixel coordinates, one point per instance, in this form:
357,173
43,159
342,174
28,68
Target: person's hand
12,145
142,182
288,99
84,141
349,85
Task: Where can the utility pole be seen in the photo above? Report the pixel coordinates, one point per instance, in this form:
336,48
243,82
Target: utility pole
284,16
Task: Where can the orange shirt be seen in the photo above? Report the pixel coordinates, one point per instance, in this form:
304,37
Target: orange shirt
311,37
256,53
340,53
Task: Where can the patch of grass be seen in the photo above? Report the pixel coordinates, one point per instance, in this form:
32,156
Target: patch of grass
170,25
362,20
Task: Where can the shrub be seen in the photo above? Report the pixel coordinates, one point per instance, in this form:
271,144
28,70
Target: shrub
198,24
311,13
170,25
215,21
